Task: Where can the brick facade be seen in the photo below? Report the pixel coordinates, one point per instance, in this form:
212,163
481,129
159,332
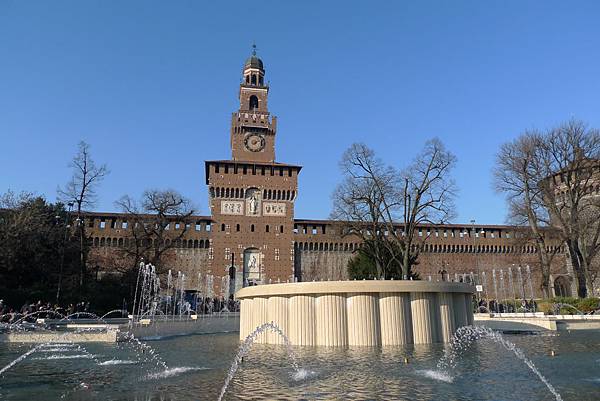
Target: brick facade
251,200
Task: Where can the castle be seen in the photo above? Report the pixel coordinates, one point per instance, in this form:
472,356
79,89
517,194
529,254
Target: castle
252,225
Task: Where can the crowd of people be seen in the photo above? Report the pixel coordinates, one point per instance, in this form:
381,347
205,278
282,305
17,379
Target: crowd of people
207,305
39,310
506,307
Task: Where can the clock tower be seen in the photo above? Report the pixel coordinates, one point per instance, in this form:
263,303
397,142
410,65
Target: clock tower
252,196
252,127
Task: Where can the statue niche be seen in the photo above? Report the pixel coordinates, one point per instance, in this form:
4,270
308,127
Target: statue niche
251,275
253,202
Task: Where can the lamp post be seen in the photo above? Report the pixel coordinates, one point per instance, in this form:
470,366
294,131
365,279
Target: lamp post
231,276
476,256
62,255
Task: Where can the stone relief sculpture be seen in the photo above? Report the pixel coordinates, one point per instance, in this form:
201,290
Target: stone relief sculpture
252,265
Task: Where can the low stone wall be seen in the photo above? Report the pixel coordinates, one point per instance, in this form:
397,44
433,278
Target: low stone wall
59,337
204,324
531,322
357,313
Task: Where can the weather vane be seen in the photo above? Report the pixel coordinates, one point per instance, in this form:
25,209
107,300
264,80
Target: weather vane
254,48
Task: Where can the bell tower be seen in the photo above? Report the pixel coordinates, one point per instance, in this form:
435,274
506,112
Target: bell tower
252,196
252,127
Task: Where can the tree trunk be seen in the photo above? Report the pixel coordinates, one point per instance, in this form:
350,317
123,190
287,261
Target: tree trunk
577,269
405,264
545,269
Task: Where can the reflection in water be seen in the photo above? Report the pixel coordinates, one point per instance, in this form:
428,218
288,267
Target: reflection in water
486,371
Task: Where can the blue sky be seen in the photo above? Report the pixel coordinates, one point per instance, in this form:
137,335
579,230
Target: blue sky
151,85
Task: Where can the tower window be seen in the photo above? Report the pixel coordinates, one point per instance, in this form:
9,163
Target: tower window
237,227
252,227
253,103
222,227
260,80
253,79
247,79
267,228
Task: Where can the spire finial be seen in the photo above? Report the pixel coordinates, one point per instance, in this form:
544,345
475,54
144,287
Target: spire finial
254,48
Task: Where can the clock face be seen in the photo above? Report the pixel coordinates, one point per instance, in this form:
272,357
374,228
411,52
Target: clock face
254,142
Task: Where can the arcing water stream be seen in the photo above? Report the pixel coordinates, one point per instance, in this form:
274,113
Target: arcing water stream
464,337
247,345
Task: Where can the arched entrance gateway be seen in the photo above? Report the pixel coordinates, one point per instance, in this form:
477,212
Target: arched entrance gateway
252,274
562,287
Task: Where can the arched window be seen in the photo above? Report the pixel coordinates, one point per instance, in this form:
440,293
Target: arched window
562,287
237,227
252,227
253,103
267,228
280,229
222,227
247,79
253,80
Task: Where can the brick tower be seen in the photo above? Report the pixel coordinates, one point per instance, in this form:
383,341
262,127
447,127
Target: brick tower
252,196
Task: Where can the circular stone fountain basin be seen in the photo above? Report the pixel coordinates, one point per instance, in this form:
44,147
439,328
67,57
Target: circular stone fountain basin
357,313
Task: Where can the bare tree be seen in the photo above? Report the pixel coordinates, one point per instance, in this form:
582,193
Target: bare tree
516,175
427,194
569,168
80,191
156,224
359,201
385,207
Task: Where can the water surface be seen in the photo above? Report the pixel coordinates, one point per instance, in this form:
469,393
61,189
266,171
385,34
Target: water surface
198,365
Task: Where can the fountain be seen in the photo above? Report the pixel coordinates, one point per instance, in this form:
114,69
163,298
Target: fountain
390,317
365,313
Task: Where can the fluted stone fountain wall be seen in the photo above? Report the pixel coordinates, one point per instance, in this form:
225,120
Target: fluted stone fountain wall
357,313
